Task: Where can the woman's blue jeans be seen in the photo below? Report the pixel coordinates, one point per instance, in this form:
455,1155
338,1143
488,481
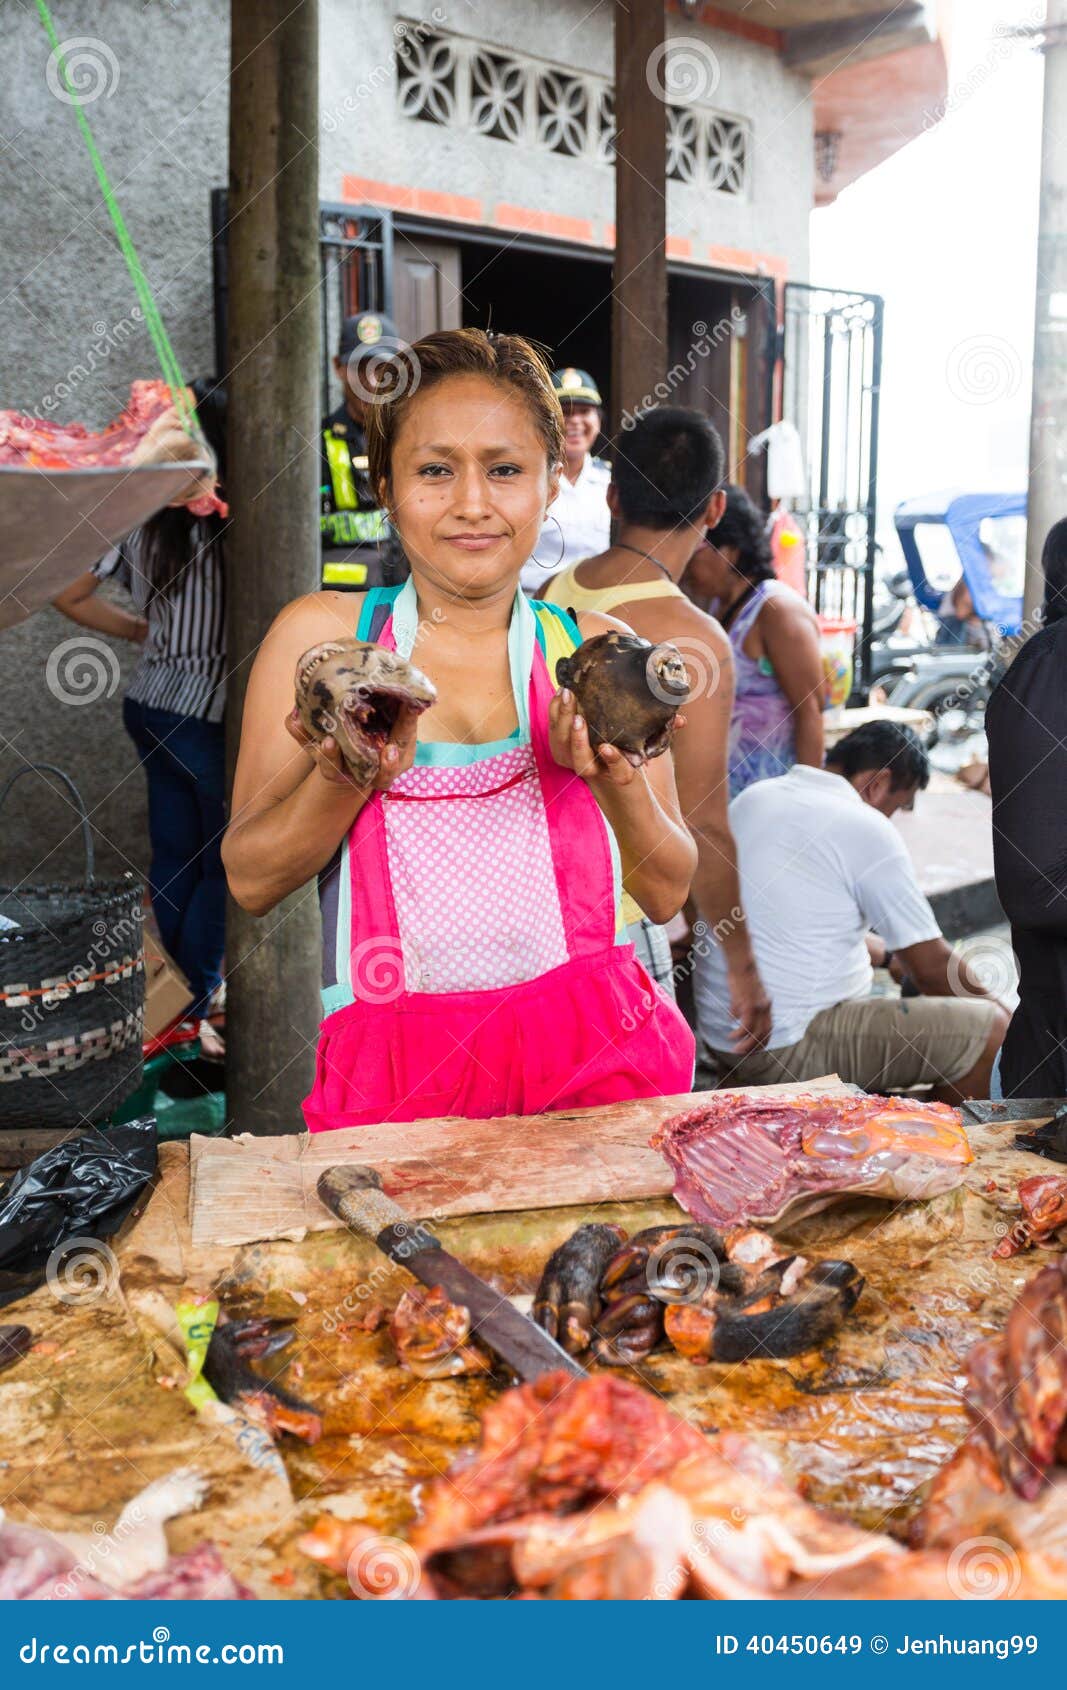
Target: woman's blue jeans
184,761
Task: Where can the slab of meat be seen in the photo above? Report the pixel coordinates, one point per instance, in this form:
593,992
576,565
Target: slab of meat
740,1159
1043,1198
32,444
593,1488
556,1444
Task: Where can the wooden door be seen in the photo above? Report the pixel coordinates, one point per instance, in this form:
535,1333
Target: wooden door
426,286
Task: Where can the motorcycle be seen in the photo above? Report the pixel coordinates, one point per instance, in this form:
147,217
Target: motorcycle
983,536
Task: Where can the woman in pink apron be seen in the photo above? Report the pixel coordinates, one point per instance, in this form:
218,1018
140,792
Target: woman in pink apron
473,954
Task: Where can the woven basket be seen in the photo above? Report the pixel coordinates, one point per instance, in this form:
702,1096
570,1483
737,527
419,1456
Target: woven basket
71,993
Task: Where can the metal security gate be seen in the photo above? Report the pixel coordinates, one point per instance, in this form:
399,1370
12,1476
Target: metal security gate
830,362
356,264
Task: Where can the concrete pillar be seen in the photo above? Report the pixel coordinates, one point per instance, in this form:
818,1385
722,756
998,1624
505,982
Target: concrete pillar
1048,417
639,280
272,964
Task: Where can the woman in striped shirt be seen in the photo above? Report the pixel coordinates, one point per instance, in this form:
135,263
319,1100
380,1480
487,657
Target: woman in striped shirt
172,570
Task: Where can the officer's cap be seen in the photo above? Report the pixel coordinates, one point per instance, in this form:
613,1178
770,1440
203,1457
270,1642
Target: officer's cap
365,332
577,386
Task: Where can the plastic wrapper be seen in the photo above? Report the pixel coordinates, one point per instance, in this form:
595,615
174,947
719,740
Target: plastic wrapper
837,645
81,1189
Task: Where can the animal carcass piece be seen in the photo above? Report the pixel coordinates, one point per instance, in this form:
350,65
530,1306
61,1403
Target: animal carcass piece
131,1561
433,1336
592,1488
629,692
236,1342
355,692
741,1159
712,1298
1044,1211
1008,1480
30,443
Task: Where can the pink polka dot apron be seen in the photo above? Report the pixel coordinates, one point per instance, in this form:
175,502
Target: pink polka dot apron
471,963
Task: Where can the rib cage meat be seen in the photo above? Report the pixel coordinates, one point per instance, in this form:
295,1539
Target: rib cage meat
745,1159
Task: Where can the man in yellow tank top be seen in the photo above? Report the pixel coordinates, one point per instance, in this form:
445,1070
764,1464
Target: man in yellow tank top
665,493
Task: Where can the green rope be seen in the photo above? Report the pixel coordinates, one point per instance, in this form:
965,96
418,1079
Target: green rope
168,361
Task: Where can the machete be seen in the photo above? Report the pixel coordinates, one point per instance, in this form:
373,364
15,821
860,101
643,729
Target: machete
355,1195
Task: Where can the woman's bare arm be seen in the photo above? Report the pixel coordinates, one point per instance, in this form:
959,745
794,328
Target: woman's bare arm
79,601
791,641
291,805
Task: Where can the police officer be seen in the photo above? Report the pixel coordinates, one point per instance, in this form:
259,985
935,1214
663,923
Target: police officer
579,522
357,547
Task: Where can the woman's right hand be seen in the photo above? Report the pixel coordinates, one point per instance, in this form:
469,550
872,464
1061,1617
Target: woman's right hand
398,753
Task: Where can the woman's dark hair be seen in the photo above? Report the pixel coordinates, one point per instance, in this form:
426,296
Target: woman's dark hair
168,542
882,745
665,466
510,359
1054,566
743,525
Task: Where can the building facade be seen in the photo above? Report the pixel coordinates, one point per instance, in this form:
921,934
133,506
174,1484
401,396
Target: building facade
466,176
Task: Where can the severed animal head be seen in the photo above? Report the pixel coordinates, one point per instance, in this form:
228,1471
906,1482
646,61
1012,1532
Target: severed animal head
629,692
356,691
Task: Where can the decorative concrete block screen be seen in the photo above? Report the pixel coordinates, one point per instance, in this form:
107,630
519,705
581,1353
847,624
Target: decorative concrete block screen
461,84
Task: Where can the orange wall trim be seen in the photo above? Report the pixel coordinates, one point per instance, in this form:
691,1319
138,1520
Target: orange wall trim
752,263
523,218
456,207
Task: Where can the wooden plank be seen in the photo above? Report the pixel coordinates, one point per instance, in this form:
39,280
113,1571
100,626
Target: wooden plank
639,279
250,1188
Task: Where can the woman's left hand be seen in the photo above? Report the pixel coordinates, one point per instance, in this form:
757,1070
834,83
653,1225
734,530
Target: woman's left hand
569,739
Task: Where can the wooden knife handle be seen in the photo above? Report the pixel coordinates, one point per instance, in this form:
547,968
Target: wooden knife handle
354,1193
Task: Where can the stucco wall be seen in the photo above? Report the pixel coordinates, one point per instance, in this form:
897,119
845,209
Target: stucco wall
66,335
160,114
364,135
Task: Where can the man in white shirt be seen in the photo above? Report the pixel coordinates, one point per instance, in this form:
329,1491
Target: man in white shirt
579,522
823,872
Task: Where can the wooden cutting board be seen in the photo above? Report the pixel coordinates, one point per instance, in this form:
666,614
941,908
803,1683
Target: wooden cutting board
246,1189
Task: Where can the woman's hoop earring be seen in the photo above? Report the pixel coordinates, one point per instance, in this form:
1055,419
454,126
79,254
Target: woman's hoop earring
562,547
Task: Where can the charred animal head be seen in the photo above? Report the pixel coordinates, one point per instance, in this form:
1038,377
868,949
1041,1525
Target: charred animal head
356,692
628,690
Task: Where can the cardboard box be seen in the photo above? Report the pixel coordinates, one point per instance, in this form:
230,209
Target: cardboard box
166,990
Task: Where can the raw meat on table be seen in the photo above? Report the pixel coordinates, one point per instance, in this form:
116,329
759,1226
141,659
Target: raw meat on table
740,1159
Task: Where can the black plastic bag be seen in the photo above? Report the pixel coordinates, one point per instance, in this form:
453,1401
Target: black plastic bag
81,1189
